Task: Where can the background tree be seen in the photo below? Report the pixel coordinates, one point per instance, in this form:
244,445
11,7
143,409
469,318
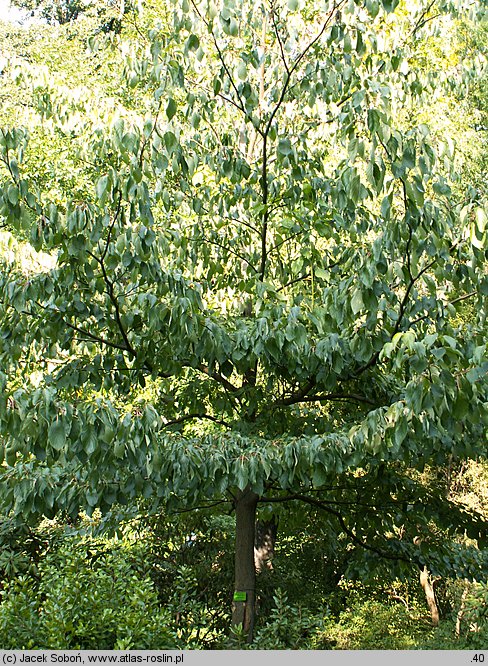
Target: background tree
53,11
60,12
253,290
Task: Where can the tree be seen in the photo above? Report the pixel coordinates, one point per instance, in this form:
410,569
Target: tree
53,11
256,300
61,12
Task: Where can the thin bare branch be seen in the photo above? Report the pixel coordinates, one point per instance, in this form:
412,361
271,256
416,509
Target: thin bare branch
225,247
355,539
240,104
216,376
463,298
294,281
279,40
328,397
113,299
189,417
423,18
111,228
201,507
95,338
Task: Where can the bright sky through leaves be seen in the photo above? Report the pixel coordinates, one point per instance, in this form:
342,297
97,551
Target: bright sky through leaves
8,13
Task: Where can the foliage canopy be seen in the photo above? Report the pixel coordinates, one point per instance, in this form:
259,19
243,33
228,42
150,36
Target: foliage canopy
255,282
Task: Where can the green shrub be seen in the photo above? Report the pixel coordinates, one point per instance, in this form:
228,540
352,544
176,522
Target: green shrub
472,622
86,597
363,624
474,625
20,550
289,627
373,625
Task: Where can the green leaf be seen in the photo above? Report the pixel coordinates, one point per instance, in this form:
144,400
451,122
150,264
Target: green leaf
10,456
192,43
92,497
401,429
357,303
57,435
233,28
480,220
284,147
102,187
474,237
373,7
171,108
242,476
13,194
389,5
319,476
242,70
354,188
228,22
461,407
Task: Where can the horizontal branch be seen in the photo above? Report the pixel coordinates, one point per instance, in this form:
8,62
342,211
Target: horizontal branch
202,507
225,247
463,298
301,397
96,338
189,417
455,300
294,281
312,501
216,376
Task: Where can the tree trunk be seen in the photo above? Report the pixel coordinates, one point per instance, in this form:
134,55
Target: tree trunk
243,608
429,595
462,607
264,543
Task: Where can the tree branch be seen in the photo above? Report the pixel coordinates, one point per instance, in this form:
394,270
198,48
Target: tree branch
110,230
276,246
233,220
320,505
403,307
202,507
422,20
280,43
225,247
294,281
240,105
264,172
463,298
188,417
298,398
92,336
113,300
216,376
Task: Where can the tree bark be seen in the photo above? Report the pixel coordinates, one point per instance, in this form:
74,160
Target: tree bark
460,613
243,609
264,543
429,595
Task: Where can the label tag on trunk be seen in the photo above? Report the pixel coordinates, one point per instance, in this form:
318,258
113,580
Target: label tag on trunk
240,596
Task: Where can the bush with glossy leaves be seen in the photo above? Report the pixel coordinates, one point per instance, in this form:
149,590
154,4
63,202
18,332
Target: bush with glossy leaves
88,596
